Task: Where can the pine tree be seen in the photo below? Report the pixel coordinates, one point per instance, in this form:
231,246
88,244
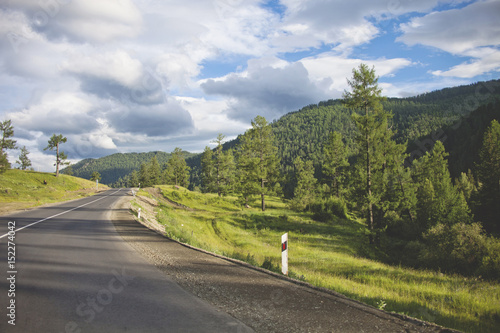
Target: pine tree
218,168
258,161
24,161
439,202
177,172
306,189
133,179
207,170
373,133
154,170
144,176
4,162
227,172
96,176
61,157
335,162
7,132
488,171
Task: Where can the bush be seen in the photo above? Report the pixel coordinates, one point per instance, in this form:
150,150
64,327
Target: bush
490,265
460,248
176,195
326,209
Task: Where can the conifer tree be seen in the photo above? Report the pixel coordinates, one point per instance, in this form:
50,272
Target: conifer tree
144,176
54,143
258,161
489,176
207,170
218,168
24,161
154,170
96,176
372,124
227,172
4,162
335,162
439,202
133,180
7,132
177,172
306,189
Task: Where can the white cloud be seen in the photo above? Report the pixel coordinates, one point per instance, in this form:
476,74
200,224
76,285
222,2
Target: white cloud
82,20
115,66
488,61
469,31
61,112
331,71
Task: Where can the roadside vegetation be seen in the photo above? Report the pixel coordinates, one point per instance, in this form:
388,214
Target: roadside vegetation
26,189
332,254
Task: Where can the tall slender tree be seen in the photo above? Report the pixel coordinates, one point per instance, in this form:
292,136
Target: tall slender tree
24,161
177,171
439,202
335,162
96,176
54,142
306,190
488,170
144,179
208,170
371,122
218,168
258,160
7,132
154,170
4,162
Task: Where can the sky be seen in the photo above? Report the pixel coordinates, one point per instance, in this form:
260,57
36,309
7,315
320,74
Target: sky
147,75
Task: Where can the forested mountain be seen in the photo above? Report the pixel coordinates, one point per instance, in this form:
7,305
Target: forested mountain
115,166
416,120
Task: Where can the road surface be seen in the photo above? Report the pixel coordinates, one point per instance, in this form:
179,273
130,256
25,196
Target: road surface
73,273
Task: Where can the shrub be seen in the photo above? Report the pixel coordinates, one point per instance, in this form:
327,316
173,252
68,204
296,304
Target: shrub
459,248
326,209
490,265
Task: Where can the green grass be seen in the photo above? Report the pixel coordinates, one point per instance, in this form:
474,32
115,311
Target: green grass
332,255
26,189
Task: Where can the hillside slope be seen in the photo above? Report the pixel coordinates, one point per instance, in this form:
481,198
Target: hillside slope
303,132
112,167
26,189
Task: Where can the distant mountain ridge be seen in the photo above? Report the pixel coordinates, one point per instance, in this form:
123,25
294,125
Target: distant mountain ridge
115,166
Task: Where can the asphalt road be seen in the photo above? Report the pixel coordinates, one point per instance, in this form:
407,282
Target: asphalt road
74,273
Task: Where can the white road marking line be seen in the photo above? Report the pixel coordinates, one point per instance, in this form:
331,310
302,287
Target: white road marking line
67,211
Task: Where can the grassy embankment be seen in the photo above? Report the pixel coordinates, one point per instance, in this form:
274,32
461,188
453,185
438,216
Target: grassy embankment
331,255
26,189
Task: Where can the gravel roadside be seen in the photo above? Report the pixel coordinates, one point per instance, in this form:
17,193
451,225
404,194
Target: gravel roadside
262,300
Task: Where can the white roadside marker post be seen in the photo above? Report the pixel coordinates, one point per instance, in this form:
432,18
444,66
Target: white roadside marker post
139,214
284,254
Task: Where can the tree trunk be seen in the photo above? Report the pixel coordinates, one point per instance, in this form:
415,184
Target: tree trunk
369,183
57,160
262,196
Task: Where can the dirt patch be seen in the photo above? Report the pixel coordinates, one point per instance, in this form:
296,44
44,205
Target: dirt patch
263,300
